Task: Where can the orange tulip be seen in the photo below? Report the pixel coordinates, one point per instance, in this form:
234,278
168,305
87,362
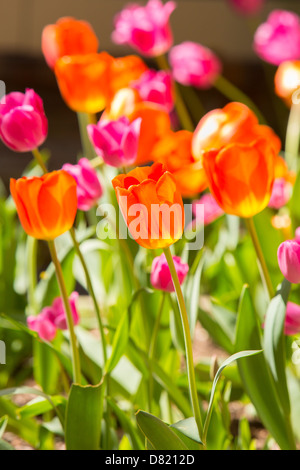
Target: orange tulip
84,81
154,125
125,70
235,123
287,81
68,37
174,150
241,176
151,205
47,205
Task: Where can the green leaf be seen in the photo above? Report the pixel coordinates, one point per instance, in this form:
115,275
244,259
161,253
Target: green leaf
227,362
127,425
256,375
274,342
83,417
5,445
39,406
3,424
160,435
192,294
188,427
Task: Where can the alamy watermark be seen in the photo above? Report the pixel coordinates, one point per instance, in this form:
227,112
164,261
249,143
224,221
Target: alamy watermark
2,91
296,96
2,353
154,222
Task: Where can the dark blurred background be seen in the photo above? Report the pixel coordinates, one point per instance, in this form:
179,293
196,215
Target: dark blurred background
210,22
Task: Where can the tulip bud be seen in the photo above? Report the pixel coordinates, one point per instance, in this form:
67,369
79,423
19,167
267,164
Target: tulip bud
289,260
161,276
292,319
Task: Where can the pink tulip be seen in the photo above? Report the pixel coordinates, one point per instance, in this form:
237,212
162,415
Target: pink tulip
116,141
194,65
89,188
23,123
156,87
145,28
248,7
161,276
212,210
297,235
281,193
278,39
53,318
292,319
289,260
43,326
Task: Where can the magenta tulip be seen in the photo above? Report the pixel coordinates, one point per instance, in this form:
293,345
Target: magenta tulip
292,319
194,65
116,141
278,39
156,87
212,210
289,260
53,318
89,189
145,28
161,276
281,193
23,123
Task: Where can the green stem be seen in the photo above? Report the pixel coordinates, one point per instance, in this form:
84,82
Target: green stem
91,292
37,155
260,256
87,147
235,94
182,111
293,137
32,271
64,294
188,342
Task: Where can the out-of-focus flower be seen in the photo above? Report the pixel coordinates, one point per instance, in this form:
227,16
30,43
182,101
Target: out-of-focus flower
84,81
278,39
23,123
235,123
151,205
156,87
174,151
289,260
292,319
241,176
145,28
161,278
155,120
248,7
68,36
116,141
287,81
47,205
194,65
53,318
89,189
43,326
212,211
281,193
283,223
124,70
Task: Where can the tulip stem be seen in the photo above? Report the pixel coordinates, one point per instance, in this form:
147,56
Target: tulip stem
37,155
64,294
233,93
182,111
293,137
260,256
87,147
188,342
91,291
